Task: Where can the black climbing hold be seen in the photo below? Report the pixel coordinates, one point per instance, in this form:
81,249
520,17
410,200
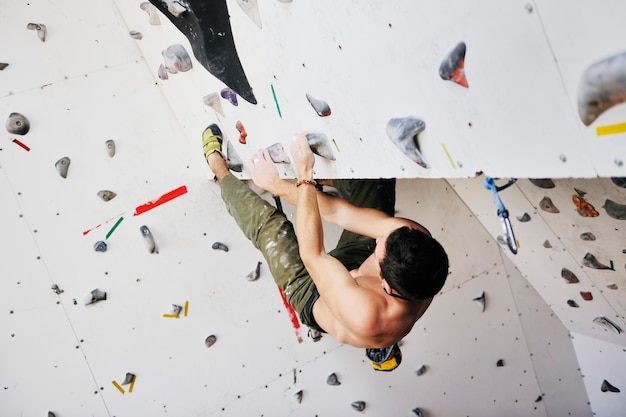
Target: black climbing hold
569,276
17,124
298,396
615,210
62,165
619,181
358,405
523,218
210,340
606,386
482,301
500,363
95,295
421,370
55,288
3,65
572,303
588,236
404,132
254,275
206,24
590,261
130,377
332,379
418,412
453,66
220,246
100,246
542,182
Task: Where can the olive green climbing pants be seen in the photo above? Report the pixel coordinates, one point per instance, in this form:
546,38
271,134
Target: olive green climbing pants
273,234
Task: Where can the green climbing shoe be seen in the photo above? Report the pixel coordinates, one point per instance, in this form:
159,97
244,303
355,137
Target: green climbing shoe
212,140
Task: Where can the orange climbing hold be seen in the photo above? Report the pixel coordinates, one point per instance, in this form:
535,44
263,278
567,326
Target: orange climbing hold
242,132
583,207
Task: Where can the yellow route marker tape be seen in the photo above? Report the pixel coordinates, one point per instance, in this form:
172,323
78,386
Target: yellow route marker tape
171,316
132,384
611,129
186,308
119,387
448,154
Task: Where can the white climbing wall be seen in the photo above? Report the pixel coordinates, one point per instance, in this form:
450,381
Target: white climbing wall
90,82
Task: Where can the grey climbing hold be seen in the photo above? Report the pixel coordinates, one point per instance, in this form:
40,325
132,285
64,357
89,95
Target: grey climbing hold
232,158
606,386
539,398
62,165
569,276
95,296
547,244
404,132
176,58
481,300
603,85
251,9
588,236
500,363
358,405
332,379
213,100
210,340
608,324
421,370
417,412
254,275
315,334
453,65
152,13
590,261
320,145
320,106
129,378
572,303
611,286
542,182
523,218
51,414
298,396
615,210
106,195
220,246
55,288
135,35
110,147
546,205
148,239
162,72
278,154
619,181
40,28
100,246
17,124
176,309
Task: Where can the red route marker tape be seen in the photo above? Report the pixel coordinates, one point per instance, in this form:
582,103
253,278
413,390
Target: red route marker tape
292,315
23,145
163,199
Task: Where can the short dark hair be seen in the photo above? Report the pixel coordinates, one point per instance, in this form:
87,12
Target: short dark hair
415,265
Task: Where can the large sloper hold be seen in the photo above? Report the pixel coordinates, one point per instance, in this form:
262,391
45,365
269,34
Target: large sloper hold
603,85
320,145
403,132
615,210
206,24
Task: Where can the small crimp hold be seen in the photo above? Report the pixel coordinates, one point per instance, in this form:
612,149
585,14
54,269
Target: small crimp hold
606,386
320,106
95,296
523,218
135,35
17,124
358,405
148,239
62,165
39,28
320,145
546,183
106,195
298,396
242,132
56,289
152,13
229,95
590,261
278,154
210,340
611,286
569,276
110,147
421,370
3,65
608,324
213,100
572,303
547,244
254,275
220,246
100,246
176,309
332,379
129,378
588,236
482,300
546,205
418,412
500,363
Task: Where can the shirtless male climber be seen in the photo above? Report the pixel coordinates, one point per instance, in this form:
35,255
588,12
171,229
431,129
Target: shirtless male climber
371,289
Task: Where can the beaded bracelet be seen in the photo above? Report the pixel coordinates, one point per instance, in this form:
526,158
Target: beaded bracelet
309,182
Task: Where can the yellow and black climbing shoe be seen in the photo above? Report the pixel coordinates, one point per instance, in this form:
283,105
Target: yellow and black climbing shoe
212,140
